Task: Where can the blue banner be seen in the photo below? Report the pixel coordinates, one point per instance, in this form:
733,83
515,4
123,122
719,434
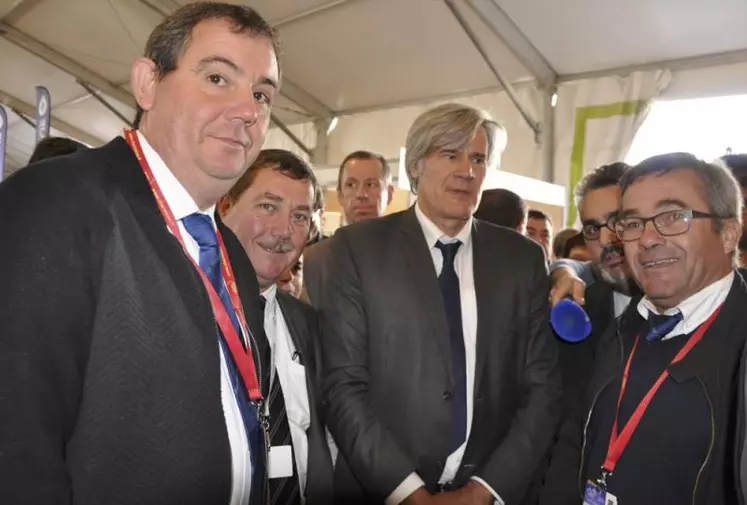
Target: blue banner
43,106
3,139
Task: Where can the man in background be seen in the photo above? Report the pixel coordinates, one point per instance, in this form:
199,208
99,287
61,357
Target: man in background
364,190
269,209
503,207
539,229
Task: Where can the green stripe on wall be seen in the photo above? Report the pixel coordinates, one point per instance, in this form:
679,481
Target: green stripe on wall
583,115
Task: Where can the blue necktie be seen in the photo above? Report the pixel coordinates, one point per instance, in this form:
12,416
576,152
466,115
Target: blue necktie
200,227
661,325
449,282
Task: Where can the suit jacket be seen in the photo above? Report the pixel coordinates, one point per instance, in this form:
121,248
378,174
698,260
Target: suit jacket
388,377
109,362
314,266
303,325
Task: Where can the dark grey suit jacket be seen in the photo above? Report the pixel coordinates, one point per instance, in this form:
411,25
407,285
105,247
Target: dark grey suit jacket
387,358
303,325
314,259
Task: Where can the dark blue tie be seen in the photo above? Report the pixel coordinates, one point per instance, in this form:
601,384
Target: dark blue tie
200,227
449,282
660,325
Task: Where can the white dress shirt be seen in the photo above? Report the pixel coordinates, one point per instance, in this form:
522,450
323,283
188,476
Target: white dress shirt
620,302
182,205
695,309
291,372
463,265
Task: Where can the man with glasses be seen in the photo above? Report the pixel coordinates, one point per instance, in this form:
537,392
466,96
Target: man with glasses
364,190
665,406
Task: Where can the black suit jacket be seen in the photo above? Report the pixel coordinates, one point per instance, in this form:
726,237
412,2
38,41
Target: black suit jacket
109,361
303,326
388,366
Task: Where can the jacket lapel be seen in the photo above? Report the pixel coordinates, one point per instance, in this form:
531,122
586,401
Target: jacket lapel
136,194
727,326
423,275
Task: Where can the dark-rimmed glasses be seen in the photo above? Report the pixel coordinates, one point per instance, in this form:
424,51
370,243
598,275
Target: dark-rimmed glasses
668,223
592,230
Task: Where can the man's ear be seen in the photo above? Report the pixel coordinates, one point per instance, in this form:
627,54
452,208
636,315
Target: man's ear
730,234
389,194
143,81
224,204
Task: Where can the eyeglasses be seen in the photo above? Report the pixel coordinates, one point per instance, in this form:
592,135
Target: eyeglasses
668,223
592,230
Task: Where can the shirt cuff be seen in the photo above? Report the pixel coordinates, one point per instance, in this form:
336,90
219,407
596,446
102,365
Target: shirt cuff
498,500
404,490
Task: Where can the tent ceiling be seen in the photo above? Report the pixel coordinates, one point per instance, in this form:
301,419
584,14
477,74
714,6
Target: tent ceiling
585,35
343,56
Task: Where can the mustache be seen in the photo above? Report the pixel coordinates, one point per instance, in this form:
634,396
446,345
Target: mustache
612,249
279,245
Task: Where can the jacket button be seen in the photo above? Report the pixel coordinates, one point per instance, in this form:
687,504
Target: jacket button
447,396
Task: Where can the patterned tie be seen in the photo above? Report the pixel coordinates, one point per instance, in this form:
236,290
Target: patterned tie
284,490
449,282
200,227
661,325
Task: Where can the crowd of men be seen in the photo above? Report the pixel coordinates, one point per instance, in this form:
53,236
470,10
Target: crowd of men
157,346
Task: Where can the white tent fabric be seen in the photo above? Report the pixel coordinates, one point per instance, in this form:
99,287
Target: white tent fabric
596,121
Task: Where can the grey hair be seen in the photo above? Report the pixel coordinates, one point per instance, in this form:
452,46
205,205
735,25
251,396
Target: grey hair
450,126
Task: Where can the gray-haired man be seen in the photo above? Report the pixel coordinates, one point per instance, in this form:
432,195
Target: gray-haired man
440,369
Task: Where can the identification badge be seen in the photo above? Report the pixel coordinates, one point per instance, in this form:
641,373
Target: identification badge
280,462
594,494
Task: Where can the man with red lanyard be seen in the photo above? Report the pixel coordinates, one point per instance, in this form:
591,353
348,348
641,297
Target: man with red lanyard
665,414
133,360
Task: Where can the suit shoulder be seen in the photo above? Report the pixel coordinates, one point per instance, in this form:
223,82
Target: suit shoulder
508,238
373,227
75,178
307,311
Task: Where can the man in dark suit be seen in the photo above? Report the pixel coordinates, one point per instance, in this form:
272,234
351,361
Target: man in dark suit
269,209
440,369
364,190
131,369
680,345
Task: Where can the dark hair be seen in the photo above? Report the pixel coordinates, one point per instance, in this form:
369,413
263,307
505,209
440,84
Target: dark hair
55,146
602,177
538,214
572,242
386,171
737,163
558,243
279,160
718,186
170,39
742,243
502,207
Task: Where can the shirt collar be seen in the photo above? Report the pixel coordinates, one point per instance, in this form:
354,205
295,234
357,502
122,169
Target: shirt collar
695,309
270,294
179,200
433,234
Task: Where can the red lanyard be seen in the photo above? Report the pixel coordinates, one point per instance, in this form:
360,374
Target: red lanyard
619,441
242,358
